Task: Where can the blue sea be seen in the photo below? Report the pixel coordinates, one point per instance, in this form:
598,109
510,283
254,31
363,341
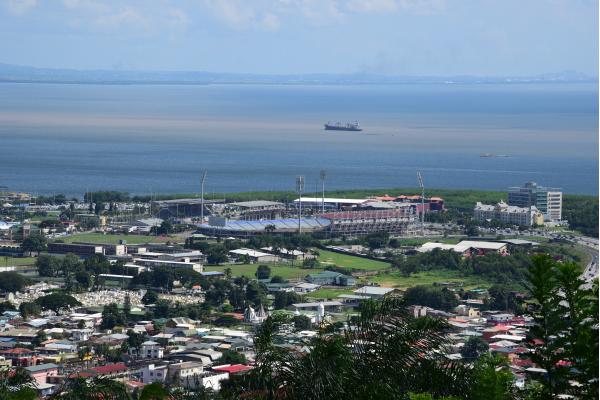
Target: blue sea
142,139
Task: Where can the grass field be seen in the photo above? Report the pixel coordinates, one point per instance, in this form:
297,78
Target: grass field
328,293
348,261
395,279
13,261
249,270
114,239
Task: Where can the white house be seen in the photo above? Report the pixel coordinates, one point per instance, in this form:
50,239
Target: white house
151,349
152,373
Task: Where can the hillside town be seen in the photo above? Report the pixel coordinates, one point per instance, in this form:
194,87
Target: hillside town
179,293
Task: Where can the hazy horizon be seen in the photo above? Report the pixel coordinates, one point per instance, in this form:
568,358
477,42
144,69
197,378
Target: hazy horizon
283,37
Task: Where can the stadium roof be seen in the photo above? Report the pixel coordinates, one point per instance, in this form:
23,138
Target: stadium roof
256,203
280,224
330,200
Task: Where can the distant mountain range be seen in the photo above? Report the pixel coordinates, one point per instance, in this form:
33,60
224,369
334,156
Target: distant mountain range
18,73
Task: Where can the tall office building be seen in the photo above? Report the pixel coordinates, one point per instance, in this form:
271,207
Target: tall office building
547,200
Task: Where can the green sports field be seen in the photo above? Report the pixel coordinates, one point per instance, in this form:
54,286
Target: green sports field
344,260
114,239
249,270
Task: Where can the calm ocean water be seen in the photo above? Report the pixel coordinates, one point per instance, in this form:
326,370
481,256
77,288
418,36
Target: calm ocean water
142,139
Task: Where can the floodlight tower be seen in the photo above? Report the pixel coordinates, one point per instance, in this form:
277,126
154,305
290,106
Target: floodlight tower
323,175
299,190
422,186
203,179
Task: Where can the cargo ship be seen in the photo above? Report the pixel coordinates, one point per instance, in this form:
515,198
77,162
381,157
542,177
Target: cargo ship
350,126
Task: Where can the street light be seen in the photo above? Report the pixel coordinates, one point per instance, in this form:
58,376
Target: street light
323,175
299,190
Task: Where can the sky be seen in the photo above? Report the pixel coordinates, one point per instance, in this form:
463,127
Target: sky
390,37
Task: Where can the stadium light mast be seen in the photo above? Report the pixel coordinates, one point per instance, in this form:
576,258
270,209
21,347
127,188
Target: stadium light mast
422,186
299,190
323,175
203,179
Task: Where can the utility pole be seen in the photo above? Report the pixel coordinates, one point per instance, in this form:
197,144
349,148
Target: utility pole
299,190
202,196
323,175
420,179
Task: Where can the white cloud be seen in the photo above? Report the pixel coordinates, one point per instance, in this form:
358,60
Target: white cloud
127,16
177,18
19,7
271,22
241,15
372,5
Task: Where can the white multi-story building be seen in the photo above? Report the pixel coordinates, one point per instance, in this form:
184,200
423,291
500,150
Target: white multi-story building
526,216
151,349
154,373
188,374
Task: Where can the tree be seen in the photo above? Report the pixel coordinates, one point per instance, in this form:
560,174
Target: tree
134,340
35,243
438,298
278,279
29,310
377,240
57,302
226,320
91,389
263,272
39,338
474,348
564,335
15,384
231,357
127,306
493,379
48,265
84,279
12,281
154,391
150,297
471,229
99,208
256,293
165,228
111,317
302,323
284,299
70,264
502,298
386,355
217,254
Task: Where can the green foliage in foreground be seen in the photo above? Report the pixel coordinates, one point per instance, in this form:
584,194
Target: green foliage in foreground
566,329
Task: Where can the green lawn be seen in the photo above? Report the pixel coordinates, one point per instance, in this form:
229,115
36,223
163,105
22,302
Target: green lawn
343,260
13,261
114,239
395,279
329,293
249,270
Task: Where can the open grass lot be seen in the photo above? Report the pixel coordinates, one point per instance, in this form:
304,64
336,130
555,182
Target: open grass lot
329,293
114,239
249,270
13,261
395,279
348,261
